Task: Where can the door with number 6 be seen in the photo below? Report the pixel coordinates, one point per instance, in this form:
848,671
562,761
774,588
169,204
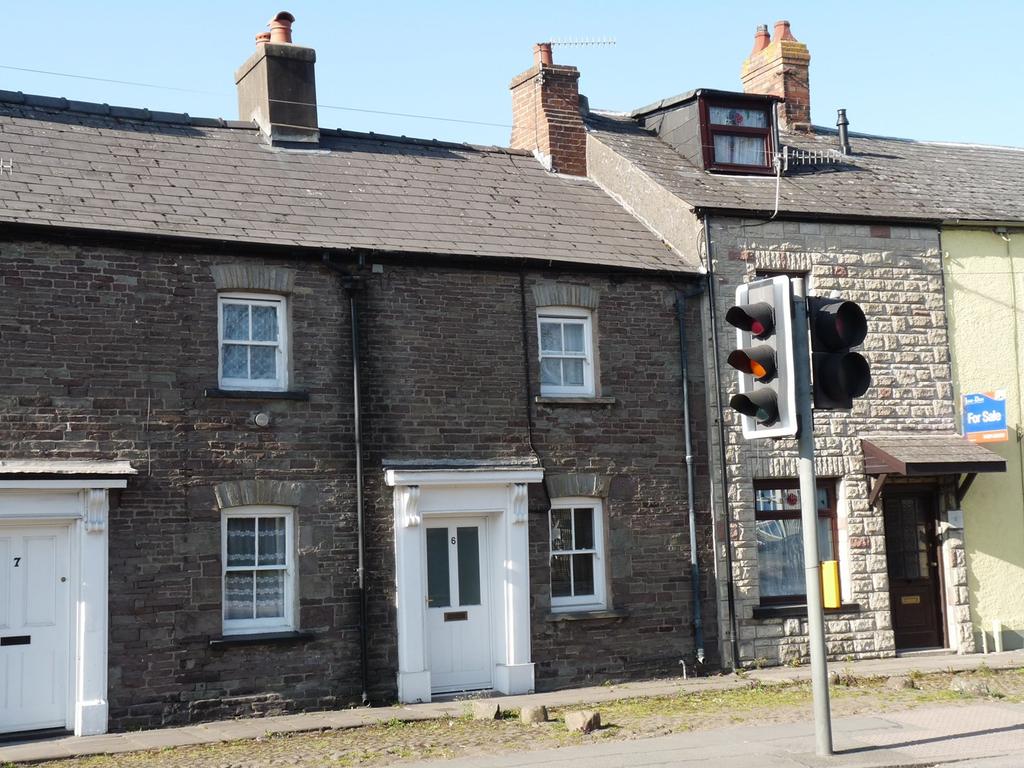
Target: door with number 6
458,620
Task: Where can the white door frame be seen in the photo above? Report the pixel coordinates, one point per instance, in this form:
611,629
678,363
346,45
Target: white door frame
83,505
500,497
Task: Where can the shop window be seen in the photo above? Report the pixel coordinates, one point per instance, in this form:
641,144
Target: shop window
780,546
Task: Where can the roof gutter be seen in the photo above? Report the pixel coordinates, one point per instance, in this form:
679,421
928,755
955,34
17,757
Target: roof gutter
255,247
839,218
1017,224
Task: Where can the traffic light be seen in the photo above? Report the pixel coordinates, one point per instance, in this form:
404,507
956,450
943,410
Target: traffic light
839,374
764,357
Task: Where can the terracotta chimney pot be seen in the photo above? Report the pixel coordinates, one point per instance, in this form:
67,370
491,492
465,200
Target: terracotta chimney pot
542,55
281,27
782,31
761,39
262,37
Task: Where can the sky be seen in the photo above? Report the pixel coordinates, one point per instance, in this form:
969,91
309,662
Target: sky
940,70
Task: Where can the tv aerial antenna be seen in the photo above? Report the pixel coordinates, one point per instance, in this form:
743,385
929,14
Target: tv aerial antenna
582,41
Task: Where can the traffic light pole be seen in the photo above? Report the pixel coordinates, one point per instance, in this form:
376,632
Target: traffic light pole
809,524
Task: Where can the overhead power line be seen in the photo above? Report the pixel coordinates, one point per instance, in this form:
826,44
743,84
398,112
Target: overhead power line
224,93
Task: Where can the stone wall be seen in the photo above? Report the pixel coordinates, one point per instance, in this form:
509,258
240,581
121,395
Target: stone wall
895,274
109,353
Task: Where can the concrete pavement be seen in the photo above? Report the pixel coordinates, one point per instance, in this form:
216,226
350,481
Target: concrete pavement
980,735
230,730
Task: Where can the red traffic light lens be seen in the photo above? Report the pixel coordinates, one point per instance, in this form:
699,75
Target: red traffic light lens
757,319
841,324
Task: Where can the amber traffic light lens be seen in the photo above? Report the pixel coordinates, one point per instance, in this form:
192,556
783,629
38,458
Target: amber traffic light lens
758,361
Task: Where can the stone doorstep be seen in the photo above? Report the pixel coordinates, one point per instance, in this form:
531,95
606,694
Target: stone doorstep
232,730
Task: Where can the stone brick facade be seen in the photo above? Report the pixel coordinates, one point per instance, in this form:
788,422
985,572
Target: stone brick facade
110,351
895,274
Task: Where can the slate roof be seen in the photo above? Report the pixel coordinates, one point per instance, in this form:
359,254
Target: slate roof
887,178
128,170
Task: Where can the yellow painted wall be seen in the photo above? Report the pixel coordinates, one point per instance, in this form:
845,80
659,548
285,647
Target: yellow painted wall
985,301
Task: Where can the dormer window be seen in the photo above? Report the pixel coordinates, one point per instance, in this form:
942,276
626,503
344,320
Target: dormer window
737,137
717,131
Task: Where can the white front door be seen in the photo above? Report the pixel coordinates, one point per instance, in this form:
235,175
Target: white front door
458,620
34,619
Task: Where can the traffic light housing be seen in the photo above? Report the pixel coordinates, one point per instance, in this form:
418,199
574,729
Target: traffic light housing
763,356
840,374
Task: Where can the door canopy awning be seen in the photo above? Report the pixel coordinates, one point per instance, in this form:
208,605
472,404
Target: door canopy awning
924,454
913,455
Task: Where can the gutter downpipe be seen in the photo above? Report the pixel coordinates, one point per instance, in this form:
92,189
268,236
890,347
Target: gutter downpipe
713,314
351,285
698,622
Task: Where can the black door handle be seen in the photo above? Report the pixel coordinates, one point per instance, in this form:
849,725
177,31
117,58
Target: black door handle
16,640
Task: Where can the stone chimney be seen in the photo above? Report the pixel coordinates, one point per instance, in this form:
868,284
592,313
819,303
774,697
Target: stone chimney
546,114
277,87
781,67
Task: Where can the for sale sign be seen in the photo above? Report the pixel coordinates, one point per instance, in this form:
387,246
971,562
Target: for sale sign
985,417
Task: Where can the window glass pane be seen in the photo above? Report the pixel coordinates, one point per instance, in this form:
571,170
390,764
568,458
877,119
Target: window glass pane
264,322
551,337
825,551
823,505
574,337
238,594
236,322
780,557
438,589
561,532
561,585
551,371
582,575
572,370
584,523
271,541
236,362
747,118
469,565
264,362
739,150
241,541
269,594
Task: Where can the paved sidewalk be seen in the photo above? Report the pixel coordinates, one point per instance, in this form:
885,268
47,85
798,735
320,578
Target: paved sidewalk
230,730
980,735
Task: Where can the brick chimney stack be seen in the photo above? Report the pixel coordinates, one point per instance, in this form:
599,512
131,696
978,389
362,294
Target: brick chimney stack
546,114
781,67
277,86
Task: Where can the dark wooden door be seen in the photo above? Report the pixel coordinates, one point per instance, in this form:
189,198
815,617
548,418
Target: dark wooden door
912,551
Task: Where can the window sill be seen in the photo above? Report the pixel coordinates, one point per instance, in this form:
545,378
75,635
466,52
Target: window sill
570,400
261,638
797,610
255,394
617,615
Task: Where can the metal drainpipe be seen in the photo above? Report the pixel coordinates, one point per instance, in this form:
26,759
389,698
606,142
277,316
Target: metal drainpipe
351,285
698,623
712,299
